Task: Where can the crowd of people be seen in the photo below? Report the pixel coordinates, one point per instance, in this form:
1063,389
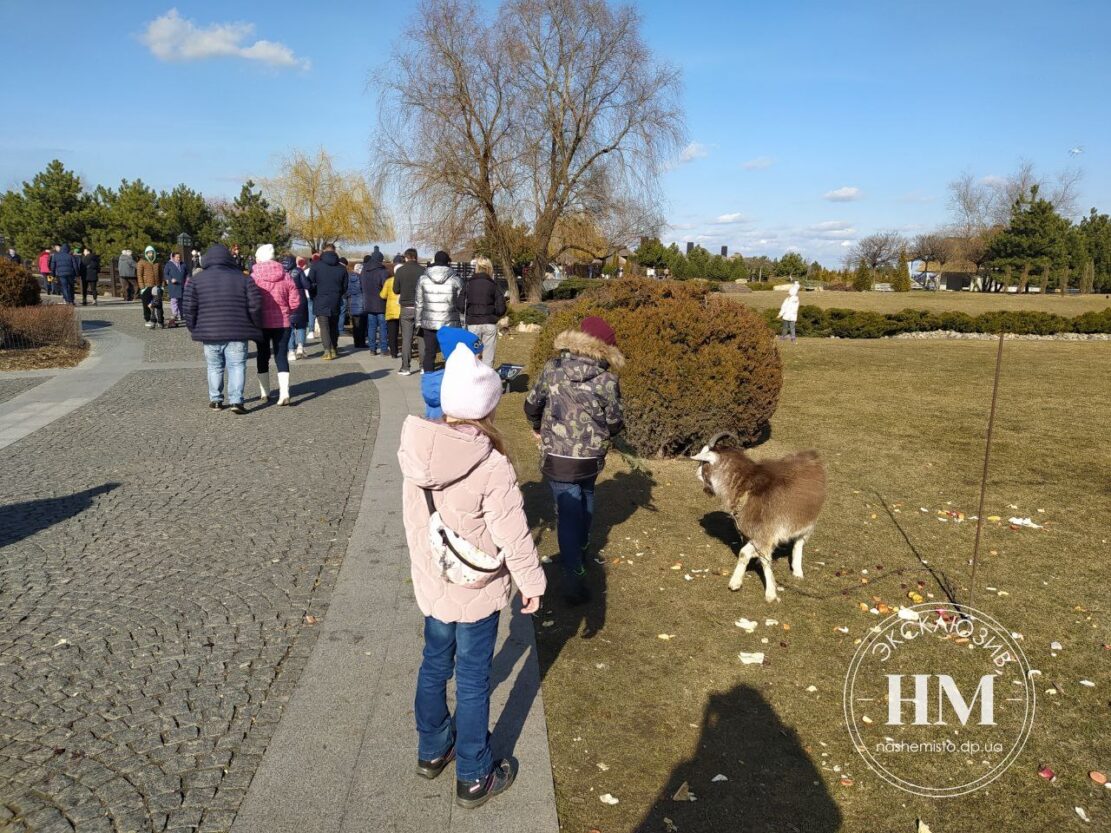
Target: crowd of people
461,499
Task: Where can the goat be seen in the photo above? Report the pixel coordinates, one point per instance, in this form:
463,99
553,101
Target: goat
771,502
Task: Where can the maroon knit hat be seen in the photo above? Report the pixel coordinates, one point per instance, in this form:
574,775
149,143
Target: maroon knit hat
599,329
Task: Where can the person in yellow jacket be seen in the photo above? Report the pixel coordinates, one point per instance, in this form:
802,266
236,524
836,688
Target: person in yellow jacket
149,275
393,309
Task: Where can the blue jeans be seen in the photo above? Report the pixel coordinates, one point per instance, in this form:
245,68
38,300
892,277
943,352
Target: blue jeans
575,515
67,289
233,354
342,315
376,337
468,648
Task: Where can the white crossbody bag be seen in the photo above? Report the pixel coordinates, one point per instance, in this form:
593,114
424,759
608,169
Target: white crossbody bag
460,561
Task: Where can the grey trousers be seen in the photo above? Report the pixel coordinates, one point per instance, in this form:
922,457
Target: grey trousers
408,327
489,335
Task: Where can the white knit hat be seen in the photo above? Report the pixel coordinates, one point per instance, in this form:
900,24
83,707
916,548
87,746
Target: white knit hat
470,389
264,253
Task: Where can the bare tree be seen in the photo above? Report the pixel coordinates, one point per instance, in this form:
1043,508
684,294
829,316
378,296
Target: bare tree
987,202
877,250
552,109
932,248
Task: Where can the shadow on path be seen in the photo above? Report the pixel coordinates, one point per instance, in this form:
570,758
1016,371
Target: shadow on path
306,391
22,520
772,786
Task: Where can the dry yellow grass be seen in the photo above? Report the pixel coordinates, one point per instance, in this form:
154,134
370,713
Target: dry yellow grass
900,426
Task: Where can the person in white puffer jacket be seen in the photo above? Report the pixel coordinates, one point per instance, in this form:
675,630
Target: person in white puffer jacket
437,291
789,311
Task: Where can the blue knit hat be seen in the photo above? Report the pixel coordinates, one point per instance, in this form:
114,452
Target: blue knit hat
451,337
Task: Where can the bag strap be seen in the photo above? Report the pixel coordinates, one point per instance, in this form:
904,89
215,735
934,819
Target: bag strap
447,541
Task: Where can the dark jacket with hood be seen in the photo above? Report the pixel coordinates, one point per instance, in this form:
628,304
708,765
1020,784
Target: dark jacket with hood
327,284
63,264
174,275
481,300
299,317
373,279
90,267
576,406
221,303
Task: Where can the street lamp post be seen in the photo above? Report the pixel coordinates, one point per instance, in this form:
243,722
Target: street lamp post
185,241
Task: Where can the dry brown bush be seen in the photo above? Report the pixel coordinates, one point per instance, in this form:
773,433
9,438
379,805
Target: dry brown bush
697,363
55,325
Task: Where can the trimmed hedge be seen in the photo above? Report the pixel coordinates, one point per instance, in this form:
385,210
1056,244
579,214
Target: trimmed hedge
848,323
521,314
697,363
18,287
572,288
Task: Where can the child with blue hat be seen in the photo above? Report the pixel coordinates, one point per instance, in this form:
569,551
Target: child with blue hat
448,338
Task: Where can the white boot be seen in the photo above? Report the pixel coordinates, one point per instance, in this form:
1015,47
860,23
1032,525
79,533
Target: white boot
283,388
291,356
264,385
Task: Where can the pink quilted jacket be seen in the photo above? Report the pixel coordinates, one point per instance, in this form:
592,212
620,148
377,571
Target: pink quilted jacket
279,293
477,495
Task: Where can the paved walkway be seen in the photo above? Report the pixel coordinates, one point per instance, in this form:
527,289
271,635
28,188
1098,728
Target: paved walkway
157,564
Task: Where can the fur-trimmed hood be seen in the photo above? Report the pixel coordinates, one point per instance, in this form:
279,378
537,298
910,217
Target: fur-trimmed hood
582,344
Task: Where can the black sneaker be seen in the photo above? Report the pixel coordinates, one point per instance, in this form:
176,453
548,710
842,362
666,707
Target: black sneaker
216,406
471,794
431,769
238,409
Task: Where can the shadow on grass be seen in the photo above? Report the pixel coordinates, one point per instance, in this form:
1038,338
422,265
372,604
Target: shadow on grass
944,583
615,500
22,520
772,784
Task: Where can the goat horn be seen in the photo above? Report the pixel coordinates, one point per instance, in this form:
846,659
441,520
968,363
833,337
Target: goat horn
718,438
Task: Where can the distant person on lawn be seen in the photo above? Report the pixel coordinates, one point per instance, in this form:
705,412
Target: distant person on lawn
462,464
789,311
575,411
222,308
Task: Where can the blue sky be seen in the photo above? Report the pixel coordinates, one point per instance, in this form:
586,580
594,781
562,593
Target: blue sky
810,123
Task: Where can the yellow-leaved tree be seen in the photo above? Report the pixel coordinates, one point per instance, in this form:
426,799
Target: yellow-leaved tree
324,205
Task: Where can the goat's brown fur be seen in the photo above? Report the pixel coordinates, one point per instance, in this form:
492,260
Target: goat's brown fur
772,502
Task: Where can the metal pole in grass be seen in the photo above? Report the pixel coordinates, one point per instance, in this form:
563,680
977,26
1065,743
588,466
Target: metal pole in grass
984,477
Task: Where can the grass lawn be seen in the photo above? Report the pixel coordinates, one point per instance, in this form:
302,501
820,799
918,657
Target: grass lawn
900,426
971,302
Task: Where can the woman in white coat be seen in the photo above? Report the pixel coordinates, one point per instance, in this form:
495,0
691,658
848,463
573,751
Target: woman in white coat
789,311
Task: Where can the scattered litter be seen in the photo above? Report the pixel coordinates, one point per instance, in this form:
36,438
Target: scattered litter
545,559
1088,683
606,798
688,577
846,781
1026,522
764,641
994,518
866,719
678,566
601,666
916,597
1048,774
1056,646
751,658
603,767
747,625
908,614
684,793
1098,777
669,826
811,688
61,642
666,636
921,827
1083,815
771,623
841,629
310,619
719,777
923,509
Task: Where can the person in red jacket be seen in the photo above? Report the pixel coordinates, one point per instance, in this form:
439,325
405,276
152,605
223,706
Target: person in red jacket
44,270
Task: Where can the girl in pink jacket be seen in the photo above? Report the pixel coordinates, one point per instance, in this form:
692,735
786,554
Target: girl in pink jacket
279,298
462,462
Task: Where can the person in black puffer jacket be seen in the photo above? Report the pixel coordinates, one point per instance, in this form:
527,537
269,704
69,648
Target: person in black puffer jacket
328,286
482,304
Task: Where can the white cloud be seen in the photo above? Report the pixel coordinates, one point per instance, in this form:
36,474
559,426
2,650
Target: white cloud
730,219
171,37
760,163
993,180
829,230
845,194
695,150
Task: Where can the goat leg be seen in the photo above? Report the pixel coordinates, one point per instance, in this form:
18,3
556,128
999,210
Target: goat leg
747,553
796,557
765,556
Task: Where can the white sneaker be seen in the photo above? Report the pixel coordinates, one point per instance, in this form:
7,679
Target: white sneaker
300,352
291,356
149,325
404,373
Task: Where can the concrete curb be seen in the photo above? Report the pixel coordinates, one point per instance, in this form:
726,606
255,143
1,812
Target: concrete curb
343,756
